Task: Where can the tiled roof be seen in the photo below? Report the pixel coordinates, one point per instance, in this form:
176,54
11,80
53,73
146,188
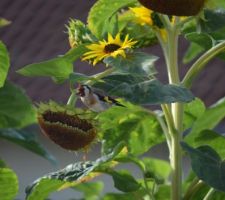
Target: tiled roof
37,33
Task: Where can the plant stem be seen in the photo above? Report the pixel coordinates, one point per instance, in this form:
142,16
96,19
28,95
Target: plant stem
193,189
177,114
72,99
199,65
209,194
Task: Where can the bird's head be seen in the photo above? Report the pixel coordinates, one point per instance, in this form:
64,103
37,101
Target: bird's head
83,90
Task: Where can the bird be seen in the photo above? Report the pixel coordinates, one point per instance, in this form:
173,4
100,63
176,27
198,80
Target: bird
95,101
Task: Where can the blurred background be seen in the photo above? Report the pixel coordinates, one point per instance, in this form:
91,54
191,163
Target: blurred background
38,33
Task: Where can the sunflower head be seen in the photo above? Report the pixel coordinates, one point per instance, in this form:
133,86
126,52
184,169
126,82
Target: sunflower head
112,47
174,7
78,33
64,126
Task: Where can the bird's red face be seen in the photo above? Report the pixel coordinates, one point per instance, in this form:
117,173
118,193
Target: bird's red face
80,90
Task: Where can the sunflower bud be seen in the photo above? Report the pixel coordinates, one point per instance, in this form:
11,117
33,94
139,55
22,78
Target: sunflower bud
78,33
174,7
65,127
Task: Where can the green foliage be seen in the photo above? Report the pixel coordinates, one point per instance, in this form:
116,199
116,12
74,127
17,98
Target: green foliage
4,64
90,190
8,184
58,68
101,16
193,111
67,177
4,22
27,140
16,110
204,161
208,120
131,124
123,181
137,63
141,91
157,169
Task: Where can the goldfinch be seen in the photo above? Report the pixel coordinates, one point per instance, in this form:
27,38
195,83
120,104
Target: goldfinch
94,101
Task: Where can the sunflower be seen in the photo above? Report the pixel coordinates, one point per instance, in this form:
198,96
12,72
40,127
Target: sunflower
112,47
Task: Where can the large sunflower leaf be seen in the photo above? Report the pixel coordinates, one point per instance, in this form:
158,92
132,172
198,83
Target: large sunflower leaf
193,111
131,124
8,184
204,161
4,63
101,15
16,110
90,190
70,176
137,63
208,120
27,140
140,91
58,68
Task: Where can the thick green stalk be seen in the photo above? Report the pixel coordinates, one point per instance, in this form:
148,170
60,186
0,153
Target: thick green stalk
199,65
177,114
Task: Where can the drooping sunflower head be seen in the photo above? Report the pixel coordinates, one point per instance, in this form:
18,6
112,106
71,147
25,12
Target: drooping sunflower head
112,47
65,126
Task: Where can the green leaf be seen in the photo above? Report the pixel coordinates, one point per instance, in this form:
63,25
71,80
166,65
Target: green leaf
4,63
208,120
73,54
152,92
16,110
4,22
163,192
123,181
91,191
211,138
58,68
27,140
193,111
131,124
100,18
68,177
202,39
79,78
192,52
138,63
8,184
115,196
213,20
157,169
215,4
204,161
2,164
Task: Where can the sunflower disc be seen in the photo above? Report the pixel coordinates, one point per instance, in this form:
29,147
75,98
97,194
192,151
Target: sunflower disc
65,128
174,7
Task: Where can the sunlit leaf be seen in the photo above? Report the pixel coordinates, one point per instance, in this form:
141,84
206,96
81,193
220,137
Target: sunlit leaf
58,68
27,140
16,109
70,176
192,52
193,111
135,63
163,192
131,124
4,22
140,91
4,63
204,161
90,190
208,120
8,184
100,18
157,169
